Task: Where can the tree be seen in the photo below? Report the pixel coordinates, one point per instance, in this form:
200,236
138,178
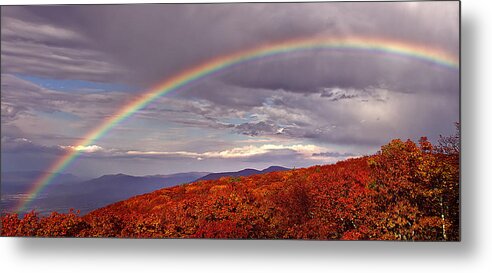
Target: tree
450,145
414,190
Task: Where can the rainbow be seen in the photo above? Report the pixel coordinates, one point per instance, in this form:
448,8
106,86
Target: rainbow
372,45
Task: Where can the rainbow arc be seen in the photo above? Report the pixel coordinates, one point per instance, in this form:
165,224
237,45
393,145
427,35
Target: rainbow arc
371,45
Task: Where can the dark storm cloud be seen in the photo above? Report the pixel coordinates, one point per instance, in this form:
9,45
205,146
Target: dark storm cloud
336,94
151,42
254,129
333,154
311,73
156,41
226,95
370,116
340,97
147,43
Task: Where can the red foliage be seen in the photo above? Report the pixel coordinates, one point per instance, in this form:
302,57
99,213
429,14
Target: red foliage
404,192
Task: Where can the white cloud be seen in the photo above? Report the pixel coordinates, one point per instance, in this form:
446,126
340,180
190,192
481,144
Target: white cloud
37,31
85,149
239,152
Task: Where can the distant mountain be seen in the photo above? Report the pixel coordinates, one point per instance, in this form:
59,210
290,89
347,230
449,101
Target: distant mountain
18,182
26,177
245,172
179,178
121,183
91,194
69,191
274,169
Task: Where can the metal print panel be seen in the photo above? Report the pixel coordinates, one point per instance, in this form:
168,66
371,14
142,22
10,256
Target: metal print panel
319,121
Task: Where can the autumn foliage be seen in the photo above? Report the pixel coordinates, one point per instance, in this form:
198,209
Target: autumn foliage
407,191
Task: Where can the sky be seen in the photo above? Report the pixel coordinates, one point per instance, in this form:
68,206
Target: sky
64,69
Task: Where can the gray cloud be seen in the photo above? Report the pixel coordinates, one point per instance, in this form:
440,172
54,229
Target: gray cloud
366,94
21,96
254,129
369,116
10,111
152,42
333,154
168,38
23,145
31,31
33,45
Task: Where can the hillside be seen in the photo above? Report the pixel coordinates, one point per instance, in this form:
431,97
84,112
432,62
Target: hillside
404,192
245,172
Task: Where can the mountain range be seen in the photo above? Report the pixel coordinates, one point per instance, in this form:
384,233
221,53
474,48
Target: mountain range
245,172
70,191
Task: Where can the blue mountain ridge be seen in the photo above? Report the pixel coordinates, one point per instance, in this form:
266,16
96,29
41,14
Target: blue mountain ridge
70,191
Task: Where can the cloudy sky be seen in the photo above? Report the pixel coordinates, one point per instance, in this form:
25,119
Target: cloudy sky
64,69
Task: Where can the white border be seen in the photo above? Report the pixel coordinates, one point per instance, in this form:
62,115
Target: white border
471,255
